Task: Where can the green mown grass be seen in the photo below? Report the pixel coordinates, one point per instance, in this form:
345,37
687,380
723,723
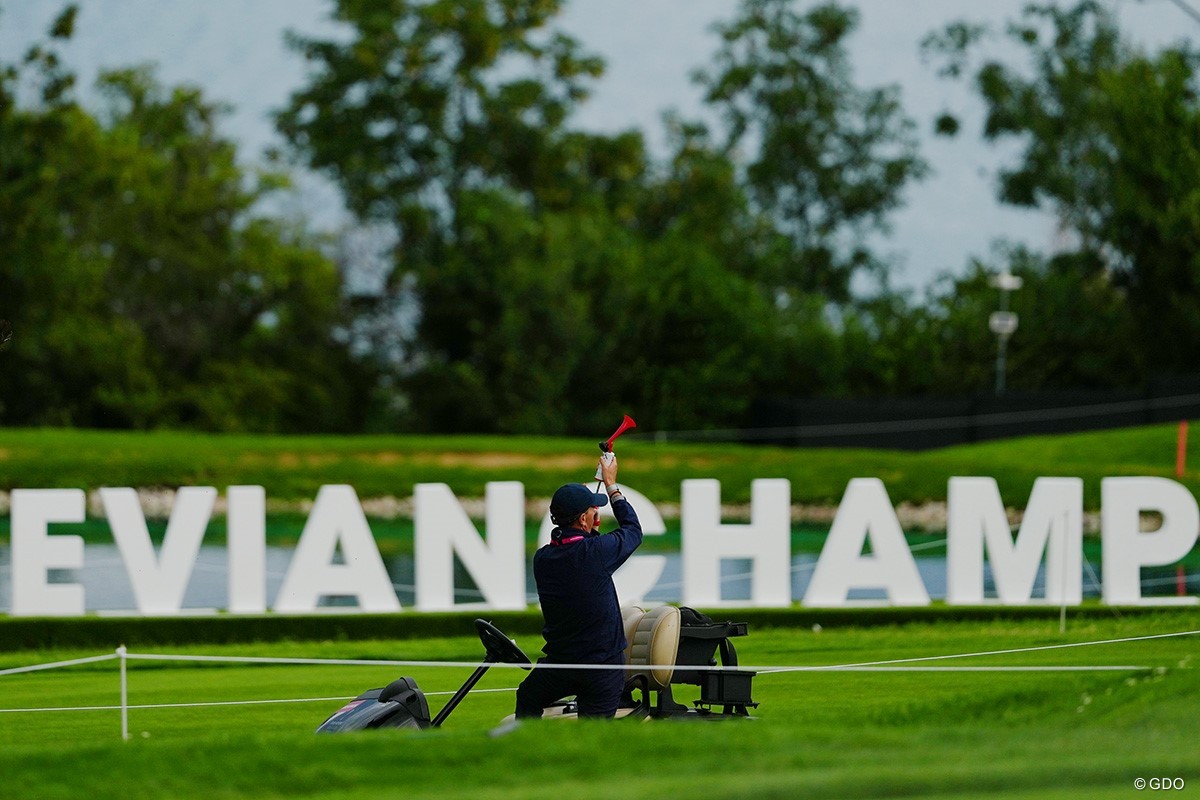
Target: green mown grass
819,734
293,467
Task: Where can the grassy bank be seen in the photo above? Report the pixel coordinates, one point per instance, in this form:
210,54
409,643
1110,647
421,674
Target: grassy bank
931,733
293,468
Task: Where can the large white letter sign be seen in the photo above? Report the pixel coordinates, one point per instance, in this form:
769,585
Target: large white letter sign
337,517
246,545
35,552
443,529
766,541
639,574
866,513
1053,524
1126,549
159,584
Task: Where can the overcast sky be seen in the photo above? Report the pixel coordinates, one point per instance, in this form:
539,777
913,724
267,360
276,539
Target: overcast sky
234,50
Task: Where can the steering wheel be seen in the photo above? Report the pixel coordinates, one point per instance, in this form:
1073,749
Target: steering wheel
500,649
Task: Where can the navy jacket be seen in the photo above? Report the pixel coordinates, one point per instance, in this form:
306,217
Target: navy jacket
575,587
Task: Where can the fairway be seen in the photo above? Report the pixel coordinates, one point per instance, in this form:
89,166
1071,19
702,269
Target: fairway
916,727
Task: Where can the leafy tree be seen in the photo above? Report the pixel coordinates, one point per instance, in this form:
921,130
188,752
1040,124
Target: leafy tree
61,372
445,119
1076,332
553,270
431,100
544,261
1110,138
144,289
824,158
748,339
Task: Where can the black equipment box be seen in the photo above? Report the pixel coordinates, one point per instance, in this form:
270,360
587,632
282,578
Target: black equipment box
700,641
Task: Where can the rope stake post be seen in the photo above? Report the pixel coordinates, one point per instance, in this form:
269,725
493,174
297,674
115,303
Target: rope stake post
1062,614
1180,464
1181,449
124,695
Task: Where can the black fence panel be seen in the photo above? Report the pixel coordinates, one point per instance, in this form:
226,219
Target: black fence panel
921,423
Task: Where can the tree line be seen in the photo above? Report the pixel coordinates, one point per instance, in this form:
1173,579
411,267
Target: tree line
544,278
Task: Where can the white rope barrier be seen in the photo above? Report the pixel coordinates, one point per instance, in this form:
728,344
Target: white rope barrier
333,662
58,664
1038,668
342,698
173,705
1041,648
763,669
339,699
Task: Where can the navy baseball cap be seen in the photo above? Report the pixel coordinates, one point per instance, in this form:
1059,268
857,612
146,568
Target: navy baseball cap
573,499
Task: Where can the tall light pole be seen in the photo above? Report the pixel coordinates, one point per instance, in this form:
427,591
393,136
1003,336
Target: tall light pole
1003,323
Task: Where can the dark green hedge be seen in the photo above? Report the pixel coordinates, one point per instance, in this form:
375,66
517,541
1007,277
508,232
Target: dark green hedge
39,633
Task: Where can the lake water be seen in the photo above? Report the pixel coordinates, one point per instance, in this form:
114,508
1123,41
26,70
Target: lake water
107,588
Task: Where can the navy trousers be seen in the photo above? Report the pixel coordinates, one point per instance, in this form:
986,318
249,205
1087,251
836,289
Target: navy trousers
597,691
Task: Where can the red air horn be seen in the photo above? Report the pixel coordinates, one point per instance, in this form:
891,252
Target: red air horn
606,447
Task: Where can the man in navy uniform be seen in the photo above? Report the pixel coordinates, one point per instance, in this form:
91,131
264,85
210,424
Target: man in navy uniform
579,601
